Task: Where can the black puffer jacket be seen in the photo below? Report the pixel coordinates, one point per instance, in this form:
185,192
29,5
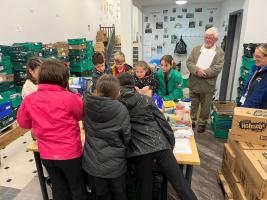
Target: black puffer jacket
150,130
107,127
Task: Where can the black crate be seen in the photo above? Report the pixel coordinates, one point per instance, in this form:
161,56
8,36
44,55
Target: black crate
249,49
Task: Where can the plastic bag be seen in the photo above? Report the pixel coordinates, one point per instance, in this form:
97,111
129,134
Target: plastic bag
181,47
158,101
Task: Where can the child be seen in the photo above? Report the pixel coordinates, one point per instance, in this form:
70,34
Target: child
152,139
120,66
144,78
54,114
107,126
33,70
99,68
169,80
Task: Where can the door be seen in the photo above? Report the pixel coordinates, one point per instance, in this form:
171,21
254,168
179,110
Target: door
231,50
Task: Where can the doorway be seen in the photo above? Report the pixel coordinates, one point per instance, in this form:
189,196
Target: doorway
231,51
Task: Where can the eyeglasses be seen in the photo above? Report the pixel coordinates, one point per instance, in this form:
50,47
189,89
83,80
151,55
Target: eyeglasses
258,56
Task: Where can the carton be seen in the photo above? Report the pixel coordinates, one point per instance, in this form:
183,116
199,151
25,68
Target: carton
229,157
249,125
254,174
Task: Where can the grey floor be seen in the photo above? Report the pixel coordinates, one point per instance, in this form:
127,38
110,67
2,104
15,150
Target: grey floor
204,182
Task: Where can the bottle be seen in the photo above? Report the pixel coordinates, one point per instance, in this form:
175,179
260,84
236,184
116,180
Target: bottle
179,111
187,112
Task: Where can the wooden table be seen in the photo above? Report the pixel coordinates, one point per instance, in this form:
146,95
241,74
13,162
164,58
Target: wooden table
12,133
185,161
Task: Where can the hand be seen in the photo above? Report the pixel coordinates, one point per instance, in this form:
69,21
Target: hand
201,73
146,88
137,89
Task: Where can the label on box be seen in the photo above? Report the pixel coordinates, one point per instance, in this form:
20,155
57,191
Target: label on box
254,126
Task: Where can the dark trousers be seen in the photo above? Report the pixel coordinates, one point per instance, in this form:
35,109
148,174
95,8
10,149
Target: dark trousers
108,188
168,166
67,177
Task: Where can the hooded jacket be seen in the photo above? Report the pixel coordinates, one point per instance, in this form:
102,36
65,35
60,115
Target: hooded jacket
149,128
107,127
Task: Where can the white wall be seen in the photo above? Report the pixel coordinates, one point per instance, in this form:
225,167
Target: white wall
191,36
54,20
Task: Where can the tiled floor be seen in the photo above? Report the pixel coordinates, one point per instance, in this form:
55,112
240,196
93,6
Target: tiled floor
7,193
17,166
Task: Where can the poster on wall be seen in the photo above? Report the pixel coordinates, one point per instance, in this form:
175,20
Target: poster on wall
146,19
210,19
147,52
159,49
165,18
172,19
174,10
200,23
156,37
159,25
165,36
179,16
184,10
189,15
192,24
148,30
165,11
173,39
178,25
198,9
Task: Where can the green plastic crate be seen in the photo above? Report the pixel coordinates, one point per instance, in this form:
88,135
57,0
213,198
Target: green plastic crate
74,52
248,63
245,73
77,41
220,133
7,121
5,96
89,43
18,89
19,67
15,100
81,68
81,63
87,73
7,86
29,46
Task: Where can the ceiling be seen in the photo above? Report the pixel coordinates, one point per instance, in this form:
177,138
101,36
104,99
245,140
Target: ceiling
169,2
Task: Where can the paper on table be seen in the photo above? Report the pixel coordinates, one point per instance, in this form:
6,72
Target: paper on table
205,59
182,146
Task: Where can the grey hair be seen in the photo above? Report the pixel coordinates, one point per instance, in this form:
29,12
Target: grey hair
212,31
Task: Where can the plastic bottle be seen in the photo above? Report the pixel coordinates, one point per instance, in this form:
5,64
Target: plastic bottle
187,112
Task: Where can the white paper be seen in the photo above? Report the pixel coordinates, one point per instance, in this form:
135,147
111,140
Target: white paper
205,59
182,146
183,133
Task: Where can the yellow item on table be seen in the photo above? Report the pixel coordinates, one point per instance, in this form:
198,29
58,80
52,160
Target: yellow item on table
169,104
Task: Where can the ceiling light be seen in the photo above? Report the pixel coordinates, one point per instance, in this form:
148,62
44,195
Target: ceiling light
181,2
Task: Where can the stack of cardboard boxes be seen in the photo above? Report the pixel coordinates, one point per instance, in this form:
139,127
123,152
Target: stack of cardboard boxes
245,155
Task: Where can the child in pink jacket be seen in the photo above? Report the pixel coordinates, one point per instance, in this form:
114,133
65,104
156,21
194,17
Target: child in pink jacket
53,113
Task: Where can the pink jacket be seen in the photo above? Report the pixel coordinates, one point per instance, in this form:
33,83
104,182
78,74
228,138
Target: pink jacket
53,113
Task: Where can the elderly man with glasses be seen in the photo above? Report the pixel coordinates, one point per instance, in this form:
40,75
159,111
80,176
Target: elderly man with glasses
204,64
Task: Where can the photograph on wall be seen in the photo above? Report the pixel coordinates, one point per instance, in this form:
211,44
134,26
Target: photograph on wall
159,25
165,18
156,37
172,19
200,23
179,16
148,30
165,36
198,9
165,11
174,10
178,25
165,30
210,19
189,15
184,10
192,24
173,39
208,26
159,49
146,19
155,16
147,25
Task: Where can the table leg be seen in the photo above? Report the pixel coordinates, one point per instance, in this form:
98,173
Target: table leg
41,175
188,174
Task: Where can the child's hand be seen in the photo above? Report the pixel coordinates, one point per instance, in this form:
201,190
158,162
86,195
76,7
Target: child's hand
146,88
137,89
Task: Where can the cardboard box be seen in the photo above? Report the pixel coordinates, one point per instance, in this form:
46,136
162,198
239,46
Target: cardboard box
229,157
240,193
6,77
254,174
249,125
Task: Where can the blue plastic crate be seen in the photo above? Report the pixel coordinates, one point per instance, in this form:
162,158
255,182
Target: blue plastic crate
5,109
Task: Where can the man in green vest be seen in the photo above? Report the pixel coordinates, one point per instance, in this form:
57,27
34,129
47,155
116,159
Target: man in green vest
204,64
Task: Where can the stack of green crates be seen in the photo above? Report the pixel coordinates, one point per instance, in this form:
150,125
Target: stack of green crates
221,118
245,72
5,64
80,57
20,54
